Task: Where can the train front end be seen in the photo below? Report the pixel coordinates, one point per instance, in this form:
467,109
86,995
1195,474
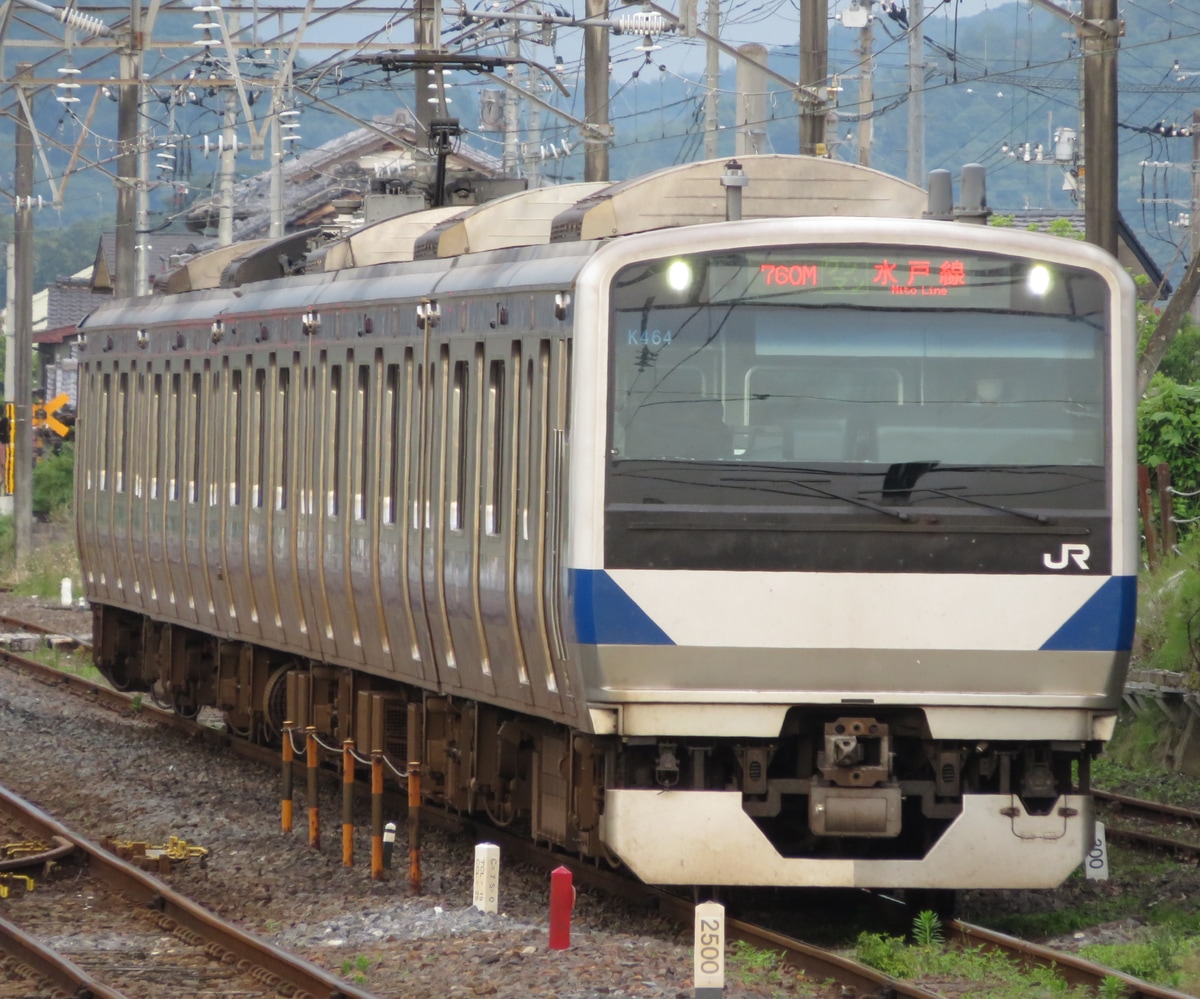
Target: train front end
853,549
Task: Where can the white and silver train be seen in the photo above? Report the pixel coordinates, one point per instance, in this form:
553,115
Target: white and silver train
795,549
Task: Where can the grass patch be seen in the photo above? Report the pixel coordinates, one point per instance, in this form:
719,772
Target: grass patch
357,968
976,973
76,663
755,966
1114,772
47,563
1160,954
1168,628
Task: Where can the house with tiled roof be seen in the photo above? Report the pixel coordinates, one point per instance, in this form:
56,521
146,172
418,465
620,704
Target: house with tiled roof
1130,251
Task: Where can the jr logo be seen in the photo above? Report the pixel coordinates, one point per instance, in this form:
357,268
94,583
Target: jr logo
1079,554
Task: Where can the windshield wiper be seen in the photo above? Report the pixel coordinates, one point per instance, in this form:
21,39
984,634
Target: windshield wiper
901,479
1039,518
828,494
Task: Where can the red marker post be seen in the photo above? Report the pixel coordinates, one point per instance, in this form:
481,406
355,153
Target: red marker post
562,901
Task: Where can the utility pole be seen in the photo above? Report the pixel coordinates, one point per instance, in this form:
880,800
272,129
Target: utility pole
21,433
129,98
228,166
141,248
512,108
814,71
596,133
866,89
1099,31
1099,43
916,94
752,100
533,164
712,80
276,230
425,35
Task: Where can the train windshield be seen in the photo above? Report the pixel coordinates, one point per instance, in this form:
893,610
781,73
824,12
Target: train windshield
871,382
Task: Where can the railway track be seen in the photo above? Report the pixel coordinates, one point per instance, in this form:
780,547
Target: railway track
817,963
89,923
18,624
1150,823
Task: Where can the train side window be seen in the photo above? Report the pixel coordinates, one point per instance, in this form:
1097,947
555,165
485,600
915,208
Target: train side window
196,414
493,485
391,451
122,435
417,449
284,428
362,416
106,437
175,436
235,412
217,432
159,431
527,456
457,437
142,416
258,437
334,441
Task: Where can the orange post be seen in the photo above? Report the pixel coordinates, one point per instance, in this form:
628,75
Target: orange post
288,756
314,814
348,803
377,816
414,827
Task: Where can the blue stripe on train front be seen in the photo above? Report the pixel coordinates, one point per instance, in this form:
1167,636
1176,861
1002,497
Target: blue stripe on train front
606,615
1103,624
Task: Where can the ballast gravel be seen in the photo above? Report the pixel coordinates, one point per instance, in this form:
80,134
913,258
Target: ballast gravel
105,774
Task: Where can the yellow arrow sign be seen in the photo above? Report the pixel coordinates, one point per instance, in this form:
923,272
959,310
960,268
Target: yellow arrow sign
44,415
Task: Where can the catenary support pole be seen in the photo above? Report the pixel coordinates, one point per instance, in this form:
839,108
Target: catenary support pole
814,71
1100,133
916,93
712,80
22,432
595,94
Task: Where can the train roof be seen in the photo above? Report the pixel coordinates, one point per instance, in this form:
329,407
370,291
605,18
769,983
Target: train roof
775,186
772,186
521,219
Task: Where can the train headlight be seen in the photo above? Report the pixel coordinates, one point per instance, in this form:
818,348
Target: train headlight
679,275
1038,280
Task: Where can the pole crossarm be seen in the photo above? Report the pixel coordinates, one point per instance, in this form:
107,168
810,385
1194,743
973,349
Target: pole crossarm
37,142
1097,27
810,95
392,62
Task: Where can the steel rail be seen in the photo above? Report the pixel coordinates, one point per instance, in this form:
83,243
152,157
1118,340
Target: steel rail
59,971
150,891
1152,808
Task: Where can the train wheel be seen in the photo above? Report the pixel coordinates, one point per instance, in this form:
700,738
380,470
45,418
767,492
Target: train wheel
274,706
160,697
501,813
183,705
242,732
116,673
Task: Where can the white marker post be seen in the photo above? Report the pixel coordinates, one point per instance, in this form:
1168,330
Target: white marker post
709,961
1095,864
487,877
